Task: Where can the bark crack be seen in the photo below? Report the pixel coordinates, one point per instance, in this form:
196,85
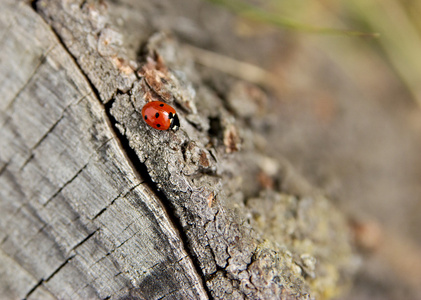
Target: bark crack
122,194
77,173
66,184
59,267
140,169
84,240
54,125
41,282
4,167
44,225
137,166
42,60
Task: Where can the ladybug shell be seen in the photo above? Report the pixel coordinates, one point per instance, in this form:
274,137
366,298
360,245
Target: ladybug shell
160,115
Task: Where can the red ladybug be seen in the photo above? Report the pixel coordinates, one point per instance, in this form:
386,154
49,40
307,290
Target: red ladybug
160,115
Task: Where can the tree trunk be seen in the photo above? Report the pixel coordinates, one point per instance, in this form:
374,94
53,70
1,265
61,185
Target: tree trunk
95,204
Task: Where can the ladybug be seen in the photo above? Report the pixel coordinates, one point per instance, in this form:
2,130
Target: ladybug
160,115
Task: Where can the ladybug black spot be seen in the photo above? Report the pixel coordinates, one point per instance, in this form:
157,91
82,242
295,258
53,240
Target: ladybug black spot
146,117
158,125
162,105
157,115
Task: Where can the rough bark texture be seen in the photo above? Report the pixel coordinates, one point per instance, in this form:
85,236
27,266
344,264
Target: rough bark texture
96,204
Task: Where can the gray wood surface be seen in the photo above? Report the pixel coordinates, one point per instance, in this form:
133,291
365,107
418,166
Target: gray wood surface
96,204
77,221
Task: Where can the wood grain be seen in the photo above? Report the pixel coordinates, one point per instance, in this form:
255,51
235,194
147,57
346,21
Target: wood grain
76,220
96,204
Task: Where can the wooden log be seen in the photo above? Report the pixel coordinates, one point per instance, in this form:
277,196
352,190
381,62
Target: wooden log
77,221
96,204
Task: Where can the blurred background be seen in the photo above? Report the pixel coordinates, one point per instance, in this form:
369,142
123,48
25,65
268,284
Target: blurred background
343,80
346,81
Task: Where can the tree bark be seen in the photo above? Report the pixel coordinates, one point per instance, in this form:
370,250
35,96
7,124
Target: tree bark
97,205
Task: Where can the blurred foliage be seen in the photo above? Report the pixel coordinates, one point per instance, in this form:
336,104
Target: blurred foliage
275,14
395,22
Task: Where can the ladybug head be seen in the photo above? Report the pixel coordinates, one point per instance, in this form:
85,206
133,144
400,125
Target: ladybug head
175,122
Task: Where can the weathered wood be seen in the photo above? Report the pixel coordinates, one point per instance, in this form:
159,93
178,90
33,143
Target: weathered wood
96,204
76,220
